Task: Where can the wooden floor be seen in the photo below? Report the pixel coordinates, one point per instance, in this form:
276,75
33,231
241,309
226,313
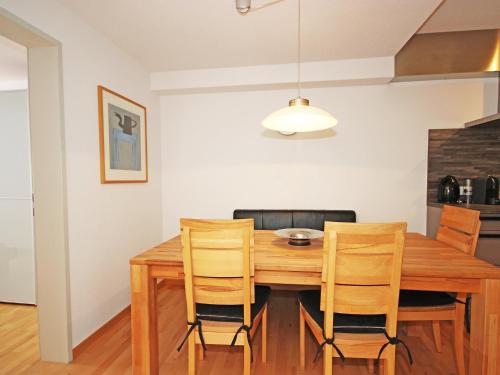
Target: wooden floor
110,352
18,338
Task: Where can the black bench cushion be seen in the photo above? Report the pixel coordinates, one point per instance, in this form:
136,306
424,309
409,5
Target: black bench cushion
256,215
233,313
280,219
277,220
420,298
308,219
346,323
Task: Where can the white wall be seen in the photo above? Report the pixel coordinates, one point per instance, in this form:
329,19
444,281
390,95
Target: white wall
107,224
17,254
13,66
216,157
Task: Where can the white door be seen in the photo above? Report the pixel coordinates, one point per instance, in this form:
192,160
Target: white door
17,254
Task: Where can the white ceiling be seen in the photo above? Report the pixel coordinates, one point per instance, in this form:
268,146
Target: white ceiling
13,61
457,15
193,34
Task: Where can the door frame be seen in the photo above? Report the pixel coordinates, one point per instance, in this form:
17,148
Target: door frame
46,116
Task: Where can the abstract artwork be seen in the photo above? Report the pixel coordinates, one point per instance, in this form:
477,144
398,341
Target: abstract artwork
122,134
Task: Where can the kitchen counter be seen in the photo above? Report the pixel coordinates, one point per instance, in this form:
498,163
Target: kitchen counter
487,210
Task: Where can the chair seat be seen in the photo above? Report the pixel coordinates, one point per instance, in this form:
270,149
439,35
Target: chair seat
420,298
233,313
345,323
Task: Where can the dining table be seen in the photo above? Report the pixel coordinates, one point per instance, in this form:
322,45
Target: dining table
427,265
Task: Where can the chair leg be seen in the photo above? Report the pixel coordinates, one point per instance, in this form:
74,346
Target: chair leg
191,355
381,366
404,329
458,325
371,366
390,363
436,330
264,335
201,353
302,340
327,360
246,358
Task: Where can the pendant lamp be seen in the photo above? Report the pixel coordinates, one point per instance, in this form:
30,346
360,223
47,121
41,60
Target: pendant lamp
299,116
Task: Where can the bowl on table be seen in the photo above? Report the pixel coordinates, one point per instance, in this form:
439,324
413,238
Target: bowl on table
299,236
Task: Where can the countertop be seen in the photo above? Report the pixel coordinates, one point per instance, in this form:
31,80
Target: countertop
487,210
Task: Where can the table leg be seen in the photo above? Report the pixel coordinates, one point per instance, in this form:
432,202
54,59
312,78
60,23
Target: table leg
144,321
485,333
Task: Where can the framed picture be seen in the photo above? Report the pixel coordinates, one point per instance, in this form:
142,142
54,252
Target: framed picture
122,138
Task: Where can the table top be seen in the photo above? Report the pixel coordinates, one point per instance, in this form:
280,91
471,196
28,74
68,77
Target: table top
423,257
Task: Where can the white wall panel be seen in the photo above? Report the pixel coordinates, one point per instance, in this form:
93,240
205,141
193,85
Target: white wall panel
17,254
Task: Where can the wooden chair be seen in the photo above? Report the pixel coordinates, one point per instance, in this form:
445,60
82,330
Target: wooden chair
459,228
224,307
355,313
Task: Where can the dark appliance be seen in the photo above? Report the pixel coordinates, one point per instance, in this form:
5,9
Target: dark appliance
485,190
491,190
448,190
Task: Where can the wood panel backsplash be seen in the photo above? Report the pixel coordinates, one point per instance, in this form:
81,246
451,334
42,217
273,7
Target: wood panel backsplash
464,153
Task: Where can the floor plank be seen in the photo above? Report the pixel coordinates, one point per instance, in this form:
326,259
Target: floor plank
110,353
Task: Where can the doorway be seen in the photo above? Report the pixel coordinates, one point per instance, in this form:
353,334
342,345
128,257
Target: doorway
46,121
18,323
17,253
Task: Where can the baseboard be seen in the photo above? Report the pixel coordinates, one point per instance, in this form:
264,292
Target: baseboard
105,328
17,303
109,325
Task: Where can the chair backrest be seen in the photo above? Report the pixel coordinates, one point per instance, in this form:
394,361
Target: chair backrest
459,228
362,271
218,263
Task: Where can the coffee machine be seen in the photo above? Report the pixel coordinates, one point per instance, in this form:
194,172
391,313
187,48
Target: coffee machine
448,190
485,190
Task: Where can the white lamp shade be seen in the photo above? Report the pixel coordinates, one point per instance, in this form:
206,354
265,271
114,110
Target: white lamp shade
299,118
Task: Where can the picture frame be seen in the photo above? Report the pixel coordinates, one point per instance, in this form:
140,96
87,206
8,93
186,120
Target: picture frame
122,138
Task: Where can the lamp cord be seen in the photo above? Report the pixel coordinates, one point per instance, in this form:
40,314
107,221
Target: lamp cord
298,51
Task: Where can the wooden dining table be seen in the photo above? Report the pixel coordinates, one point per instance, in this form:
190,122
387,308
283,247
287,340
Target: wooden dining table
427,265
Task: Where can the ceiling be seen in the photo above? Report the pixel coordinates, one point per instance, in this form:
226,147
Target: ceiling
461,15
195,34
13,61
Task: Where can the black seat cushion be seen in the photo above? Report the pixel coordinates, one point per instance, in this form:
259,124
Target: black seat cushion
346,323
233,313
280,219
420,298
